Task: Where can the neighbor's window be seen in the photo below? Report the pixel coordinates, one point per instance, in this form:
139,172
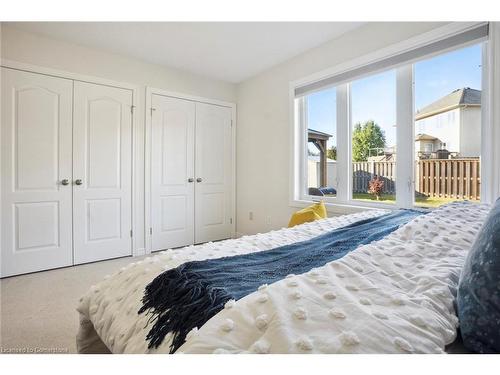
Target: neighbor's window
321,143
448,127
373,134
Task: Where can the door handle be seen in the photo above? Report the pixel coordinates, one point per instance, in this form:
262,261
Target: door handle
190,179
65,182
78,182
199,179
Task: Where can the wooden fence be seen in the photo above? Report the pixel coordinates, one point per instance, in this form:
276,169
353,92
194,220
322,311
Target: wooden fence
443,178
364,171
450,178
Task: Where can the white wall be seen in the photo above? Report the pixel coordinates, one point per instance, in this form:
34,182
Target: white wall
34,49
263,136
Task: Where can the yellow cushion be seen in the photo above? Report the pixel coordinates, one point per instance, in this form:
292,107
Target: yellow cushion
311,213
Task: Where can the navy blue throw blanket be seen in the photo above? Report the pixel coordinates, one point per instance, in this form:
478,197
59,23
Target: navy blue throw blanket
186,297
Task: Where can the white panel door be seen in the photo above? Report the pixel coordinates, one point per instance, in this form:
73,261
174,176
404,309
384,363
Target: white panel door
102,172
36,164
213,193
172,172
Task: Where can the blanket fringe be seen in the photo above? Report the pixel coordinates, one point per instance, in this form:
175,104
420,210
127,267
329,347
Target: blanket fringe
178,300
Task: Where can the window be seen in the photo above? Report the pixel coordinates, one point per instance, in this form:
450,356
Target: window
448,115
399,132
428,148
321,143
373,129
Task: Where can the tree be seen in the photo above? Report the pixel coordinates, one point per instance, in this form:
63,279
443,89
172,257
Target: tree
366,137
331,153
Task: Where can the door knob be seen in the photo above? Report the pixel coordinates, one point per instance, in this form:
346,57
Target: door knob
65,182
78,182
198,179
190,179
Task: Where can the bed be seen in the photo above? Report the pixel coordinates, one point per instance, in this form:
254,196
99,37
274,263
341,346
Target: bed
394,295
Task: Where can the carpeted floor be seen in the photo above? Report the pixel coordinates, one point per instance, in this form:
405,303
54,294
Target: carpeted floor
38,310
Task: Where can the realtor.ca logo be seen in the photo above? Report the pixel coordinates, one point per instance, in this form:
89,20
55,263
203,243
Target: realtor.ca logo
33,350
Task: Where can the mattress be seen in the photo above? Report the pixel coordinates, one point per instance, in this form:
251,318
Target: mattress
391,296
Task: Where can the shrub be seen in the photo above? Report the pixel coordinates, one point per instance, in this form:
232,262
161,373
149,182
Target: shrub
376,186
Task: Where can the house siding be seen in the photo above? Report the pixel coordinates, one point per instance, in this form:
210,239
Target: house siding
470,124
445,126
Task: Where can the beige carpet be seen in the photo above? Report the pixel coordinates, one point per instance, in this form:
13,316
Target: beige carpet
38,310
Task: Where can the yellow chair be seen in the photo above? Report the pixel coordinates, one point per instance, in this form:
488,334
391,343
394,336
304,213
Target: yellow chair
310,213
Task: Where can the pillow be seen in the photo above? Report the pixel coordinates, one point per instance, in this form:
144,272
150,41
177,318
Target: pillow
314,212
478,298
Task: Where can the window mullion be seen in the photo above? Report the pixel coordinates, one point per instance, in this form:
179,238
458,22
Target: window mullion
405,153
303,148
343,144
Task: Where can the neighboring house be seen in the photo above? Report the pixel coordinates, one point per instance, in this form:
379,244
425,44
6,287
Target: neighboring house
426,144
452,122
383,154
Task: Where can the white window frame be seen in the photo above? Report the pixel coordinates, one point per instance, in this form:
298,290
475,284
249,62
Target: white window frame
343,202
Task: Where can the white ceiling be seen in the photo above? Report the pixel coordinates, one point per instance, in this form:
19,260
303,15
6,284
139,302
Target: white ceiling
230,51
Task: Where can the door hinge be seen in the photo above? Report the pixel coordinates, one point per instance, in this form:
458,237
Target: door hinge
132,109
151,110
131,233
150,231
231,123
230,220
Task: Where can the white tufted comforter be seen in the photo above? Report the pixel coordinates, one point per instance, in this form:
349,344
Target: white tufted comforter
392,296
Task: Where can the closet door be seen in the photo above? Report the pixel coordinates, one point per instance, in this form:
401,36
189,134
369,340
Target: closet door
213,195
172,172
35,172
102,172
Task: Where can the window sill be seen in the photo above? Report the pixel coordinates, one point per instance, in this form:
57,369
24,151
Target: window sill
343,207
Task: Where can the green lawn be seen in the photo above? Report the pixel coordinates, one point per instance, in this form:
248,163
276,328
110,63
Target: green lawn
390,198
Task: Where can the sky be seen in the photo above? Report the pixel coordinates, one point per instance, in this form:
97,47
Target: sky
374,97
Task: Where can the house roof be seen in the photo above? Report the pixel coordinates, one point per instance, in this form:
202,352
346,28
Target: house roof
458,98
425,137
316,134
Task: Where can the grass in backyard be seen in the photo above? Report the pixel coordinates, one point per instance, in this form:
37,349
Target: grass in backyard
391,198
385,198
